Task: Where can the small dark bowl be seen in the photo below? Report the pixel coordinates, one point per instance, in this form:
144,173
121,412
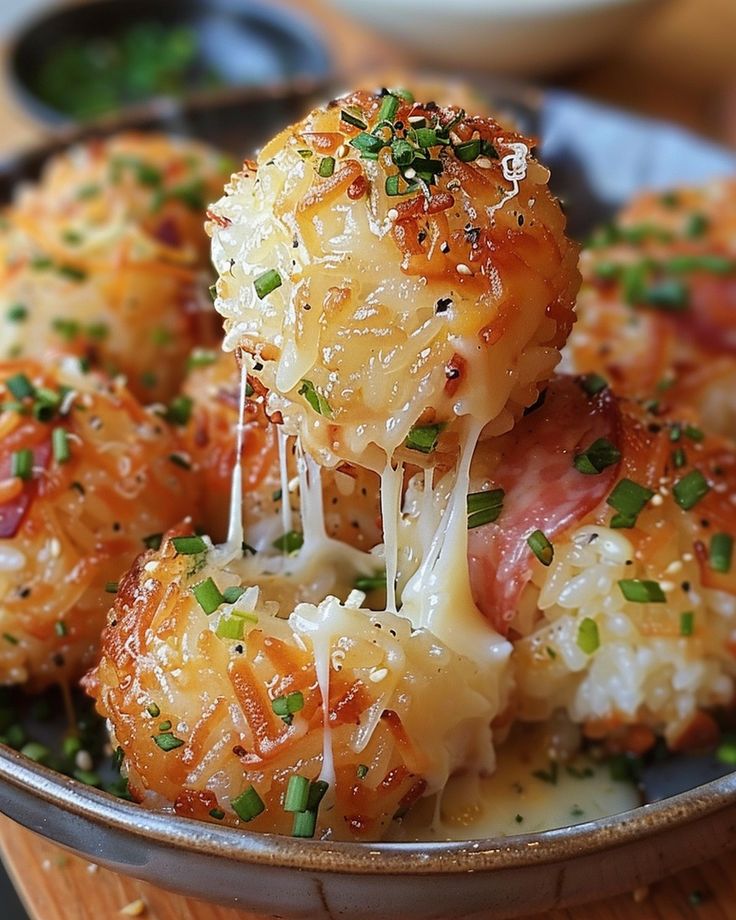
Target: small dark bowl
246,44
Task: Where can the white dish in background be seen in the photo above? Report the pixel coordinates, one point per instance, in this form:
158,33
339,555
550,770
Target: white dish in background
515,37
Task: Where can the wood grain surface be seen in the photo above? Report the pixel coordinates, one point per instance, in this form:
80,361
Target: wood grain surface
681,65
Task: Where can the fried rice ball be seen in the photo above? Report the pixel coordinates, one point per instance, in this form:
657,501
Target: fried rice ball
105,257
328,722
391,267
87,477
610,564
657,310
212,393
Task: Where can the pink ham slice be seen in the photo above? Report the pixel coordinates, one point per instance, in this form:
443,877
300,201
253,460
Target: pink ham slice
13,512
543,490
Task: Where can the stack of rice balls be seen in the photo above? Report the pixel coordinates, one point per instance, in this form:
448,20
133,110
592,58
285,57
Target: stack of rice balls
475,493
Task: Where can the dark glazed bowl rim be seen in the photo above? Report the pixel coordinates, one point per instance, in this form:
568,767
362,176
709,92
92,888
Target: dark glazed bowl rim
399,859
300,29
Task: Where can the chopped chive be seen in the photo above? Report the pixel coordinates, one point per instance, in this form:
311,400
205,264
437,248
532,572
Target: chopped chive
267,282
180,460
587,638
230,595
18,313
423,438
402,152
468,151
484,507
666,294
217,813
426,137
189,546
315,398
628,498
696,225
607,271
9,637
161,336
35,751
325,169
248,804
370,582
289,542
351,119
179,410
60,445
721,552
111,587
695,434
550,775
709,262
68,329
167,741
687,623
20,386
46,404
726,753
593,383
230,628
208,596
679,458
541,547
21,463
642,591
689,490
165,726
153,710
286,706
117,758
389,107
305,824
596,458
60,628
201,357
297,793
153,541
365,143
362,771
71,272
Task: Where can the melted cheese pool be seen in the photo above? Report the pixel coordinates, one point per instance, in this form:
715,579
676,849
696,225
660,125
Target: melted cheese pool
525,795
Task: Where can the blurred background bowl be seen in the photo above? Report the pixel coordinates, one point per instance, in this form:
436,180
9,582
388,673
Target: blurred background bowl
81,61
514,37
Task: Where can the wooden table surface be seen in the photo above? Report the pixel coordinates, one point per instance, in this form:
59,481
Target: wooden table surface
680,65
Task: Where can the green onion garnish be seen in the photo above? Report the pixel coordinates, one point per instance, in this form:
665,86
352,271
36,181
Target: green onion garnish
153,710
17,313
628,498
726,753
111,587
325,169
641,591
666,294
597,457
153,541
587,638
362,771
593,383
721,552
180,460
541,547
286,706
370,582
167,741
231,627
426,137
267,282
305,824
20,386
423,438
230,595
72,272
679,458
60,445
21,463
389,107
484,507
695,434
402,152
60,628
351,119
35,751
217,813
468,151
365,143
696,225
297,793
687,623
248,804
289,542
179,410
189,546
9,637
689,490
165,726
315,398
201,357
208,595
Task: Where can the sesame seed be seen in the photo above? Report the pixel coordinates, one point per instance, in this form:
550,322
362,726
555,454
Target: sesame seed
134,909
444,247
410,173
378,674
392,214
657,500
415,119
83,760
674,567
463,269
341,151
483,162
667,585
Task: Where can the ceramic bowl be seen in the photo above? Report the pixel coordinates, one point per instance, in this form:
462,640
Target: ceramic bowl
518,37
598,157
